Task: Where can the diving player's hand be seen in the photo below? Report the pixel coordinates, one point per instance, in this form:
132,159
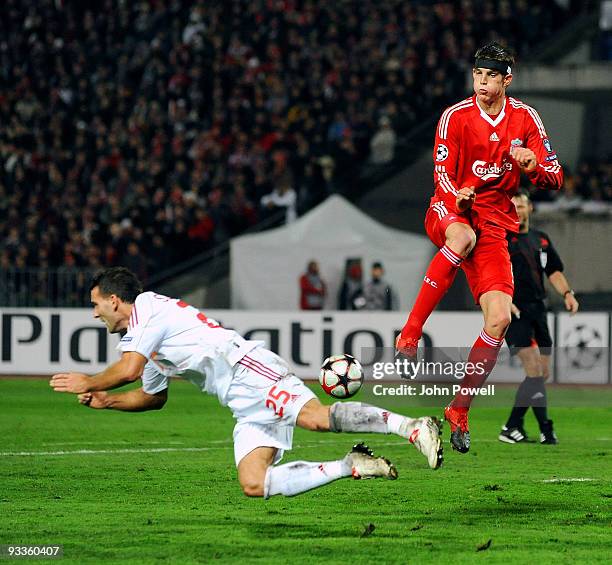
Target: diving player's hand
525,158
70,382
94,399
465,198
515,311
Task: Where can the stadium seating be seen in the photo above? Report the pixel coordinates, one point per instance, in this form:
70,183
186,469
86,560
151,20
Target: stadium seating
141,133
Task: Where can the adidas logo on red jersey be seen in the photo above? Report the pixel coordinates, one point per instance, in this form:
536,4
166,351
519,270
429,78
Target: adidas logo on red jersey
494,137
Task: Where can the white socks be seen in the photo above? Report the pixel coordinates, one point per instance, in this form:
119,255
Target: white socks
299,476
395,421
360,417
293,478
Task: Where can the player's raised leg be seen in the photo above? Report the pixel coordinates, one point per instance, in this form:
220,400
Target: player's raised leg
423,433
458,241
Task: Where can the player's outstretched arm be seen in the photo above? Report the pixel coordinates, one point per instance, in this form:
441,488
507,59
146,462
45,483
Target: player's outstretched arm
126,370
131,401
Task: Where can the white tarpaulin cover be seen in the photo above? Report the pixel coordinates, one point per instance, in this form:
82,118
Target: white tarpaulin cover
266,267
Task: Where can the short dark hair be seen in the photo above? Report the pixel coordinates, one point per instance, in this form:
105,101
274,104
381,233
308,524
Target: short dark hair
119,281
496,52
523,193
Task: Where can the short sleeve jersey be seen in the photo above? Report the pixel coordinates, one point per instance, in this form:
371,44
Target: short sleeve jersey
179,340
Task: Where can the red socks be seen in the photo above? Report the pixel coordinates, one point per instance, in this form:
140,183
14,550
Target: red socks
438,279
483,356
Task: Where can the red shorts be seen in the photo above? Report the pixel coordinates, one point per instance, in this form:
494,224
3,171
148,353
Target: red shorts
488,266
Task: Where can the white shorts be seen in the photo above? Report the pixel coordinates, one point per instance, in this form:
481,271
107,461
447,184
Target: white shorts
266,400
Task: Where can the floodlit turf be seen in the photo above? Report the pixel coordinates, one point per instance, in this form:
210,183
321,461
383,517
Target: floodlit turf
120,500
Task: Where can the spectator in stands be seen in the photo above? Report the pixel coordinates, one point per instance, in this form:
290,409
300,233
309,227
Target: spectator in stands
605,30
134,260
283,197
382,144
351,291
312,288
588,190
568,199
201,232
378,293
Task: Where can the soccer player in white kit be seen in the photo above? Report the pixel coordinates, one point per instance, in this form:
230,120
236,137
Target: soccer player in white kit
164,337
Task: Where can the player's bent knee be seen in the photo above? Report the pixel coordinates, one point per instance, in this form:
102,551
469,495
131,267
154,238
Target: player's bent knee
252,489
498,323
252,470
461,240
314,417
252,482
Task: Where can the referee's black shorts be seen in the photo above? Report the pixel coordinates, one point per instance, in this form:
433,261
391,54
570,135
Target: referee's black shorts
530,329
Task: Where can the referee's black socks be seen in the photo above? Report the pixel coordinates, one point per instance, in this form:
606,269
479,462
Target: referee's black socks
531,392
538,402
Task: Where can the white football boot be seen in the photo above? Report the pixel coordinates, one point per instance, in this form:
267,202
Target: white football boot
364,465
425,436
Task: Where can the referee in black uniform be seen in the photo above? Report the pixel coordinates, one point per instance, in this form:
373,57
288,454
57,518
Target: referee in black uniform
532,255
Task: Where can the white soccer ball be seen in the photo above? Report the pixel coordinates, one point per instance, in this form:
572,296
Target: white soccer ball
341,376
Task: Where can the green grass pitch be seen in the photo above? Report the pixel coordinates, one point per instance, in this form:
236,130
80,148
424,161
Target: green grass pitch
161,487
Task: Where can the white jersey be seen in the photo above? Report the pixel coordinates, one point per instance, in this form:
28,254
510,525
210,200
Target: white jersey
179,340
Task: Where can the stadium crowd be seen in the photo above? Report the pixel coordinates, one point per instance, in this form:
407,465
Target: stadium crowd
587,189
141,133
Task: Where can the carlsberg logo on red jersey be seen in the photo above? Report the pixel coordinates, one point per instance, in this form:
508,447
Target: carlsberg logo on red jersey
487,171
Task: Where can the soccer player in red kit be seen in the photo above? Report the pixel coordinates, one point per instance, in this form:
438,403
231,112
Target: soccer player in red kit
482,146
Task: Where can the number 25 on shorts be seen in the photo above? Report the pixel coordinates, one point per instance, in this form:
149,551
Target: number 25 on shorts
277,400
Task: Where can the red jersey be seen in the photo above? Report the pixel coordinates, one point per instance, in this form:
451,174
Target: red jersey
312,295
473,149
